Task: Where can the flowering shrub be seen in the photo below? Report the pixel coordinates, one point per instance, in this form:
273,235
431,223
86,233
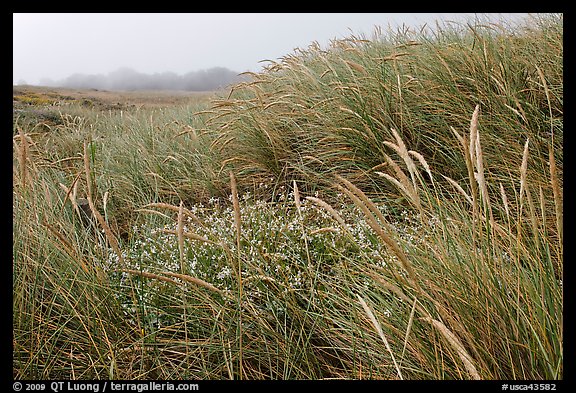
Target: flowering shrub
280,242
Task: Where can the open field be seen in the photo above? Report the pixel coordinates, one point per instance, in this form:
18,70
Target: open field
104,99
384,209
38,104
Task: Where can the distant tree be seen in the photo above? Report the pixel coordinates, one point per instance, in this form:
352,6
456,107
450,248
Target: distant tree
83,81
127,79
165,81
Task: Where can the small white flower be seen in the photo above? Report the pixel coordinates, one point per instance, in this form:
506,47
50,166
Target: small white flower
225,272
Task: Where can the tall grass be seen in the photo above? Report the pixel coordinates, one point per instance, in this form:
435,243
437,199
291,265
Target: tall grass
320,111
381,209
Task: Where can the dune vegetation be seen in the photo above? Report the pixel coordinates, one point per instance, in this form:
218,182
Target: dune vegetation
383,208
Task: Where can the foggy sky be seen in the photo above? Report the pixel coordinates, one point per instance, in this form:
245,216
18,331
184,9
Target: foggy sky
56,46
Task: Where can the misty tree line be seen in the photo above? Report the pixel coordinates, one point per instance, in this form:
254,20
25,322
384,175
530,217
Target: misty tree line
129,79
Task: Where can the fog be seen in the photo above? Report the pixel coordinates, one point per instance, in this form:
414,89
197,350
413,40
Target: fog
129,79
184,51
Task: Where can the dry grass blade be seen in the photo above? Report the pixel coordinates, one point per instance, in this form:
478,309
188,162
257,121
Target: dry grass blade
533,218
405,156
473,132
236,205
299,209
480,174
333,213
391,287
423,162
87,170
69,196
470,167
67,247
238,226
23,156
477,158
401,176
402,151
183,277
458,136
504,201
402,182
524,170
71,193
552,161
557,193
457,345
180,232
176,209
460,189
371,212
107,231
546,91
368,203
148,275
380,332
356,66
195,281
410,194
153,212
260,277
409,328
297,198
542,206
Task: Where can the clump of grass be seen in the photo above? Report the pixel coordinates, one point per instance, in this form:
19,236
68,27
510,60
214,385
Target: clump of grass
466,274
385,209
461,300
65,324
323,111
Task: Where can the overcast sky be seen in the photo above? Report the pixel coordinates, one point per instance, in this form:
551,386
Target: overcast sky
56,46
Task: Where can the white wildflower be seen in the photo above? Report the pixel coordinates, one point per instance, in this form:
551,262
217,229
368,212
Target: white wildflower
225,272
